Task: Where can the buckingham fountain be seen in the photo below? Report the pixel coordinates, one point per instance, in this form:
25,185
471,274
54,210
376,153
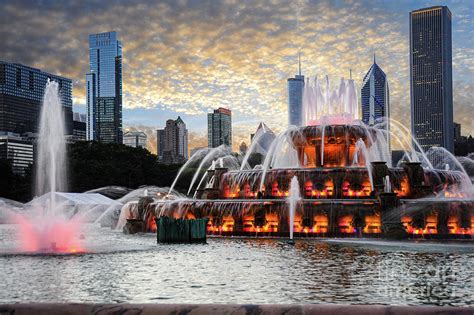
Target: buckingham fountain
334,176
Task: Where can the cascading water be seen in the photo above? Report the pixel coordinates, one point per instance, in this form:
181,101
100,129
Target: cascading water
220,151
362,149
293,199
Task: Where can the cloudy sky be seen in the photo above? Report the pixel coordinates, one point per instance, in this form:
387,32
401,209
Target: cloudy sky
188,57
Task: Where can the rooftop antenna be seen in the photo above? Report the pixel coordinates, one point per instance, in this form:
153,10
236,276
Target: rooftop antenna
374,58
350,73
299,62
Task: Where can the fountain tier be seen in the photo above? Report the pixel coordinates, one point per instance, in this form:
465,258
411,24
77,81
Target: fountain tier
347,187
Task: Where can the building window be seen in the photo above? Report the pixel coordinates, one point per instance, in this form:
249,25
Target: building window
18,77
2,74
31,81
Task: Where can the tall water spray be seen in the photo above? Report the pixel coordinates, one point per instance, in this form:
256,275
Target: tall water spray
51,163
47,228
331,105
293,199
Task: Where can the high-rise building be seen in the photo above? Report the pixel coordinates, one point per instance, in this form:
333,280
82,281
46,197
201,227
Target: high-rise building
21,97
457,132
182,138
295,98
160,143
104,88
243,147
79,130
219,127
17,150
431,77
172,142
136,139
375,95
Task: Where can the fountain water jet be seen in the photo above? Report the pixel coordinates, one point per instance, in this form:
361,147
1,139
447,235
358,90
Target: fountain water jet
48,228
293,198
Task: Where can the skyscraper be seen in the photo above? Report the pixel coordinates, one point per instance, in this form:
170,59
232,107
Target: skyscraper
295,98
21,97
182,138
219,127
104,88
172,142
17,150
79,130
375,95
160,143
431,77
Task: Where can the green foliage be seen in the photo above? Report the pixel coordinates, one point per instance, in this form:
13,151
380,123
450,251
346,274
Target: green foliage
93,165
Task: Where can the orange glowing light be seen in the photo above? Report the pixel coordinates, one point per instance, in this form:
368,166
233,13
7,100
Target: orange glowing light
320,223
453,225
406,221
431,225
248,225
228,223
345,224
373,224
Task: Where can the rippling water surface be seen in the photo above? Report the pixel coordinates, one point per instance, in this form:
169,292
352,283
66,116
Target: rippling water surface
133,268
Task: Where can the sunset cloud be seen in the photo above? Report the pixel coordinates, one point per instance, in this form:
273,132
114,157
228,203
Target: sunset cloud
189,57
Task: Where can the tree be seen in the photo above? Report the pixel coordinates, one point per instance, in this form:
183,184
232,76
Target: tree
94,164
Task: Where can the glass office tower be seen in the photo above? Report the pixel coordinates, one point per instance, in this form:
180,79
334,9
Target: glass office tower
431,77
295,100
219,127
295,97
375,95
104,88
21,97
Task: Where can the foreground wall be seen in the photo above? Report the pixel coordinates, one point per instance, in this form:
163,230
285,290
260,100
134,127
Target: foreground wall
321,309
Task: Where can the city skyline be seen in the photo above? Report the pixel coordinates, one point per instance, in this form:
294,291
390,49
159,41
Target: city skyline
199,67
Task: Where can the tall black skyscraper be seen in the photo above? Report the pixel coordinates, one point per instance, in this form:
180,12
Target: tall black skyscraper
104,88
431,77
